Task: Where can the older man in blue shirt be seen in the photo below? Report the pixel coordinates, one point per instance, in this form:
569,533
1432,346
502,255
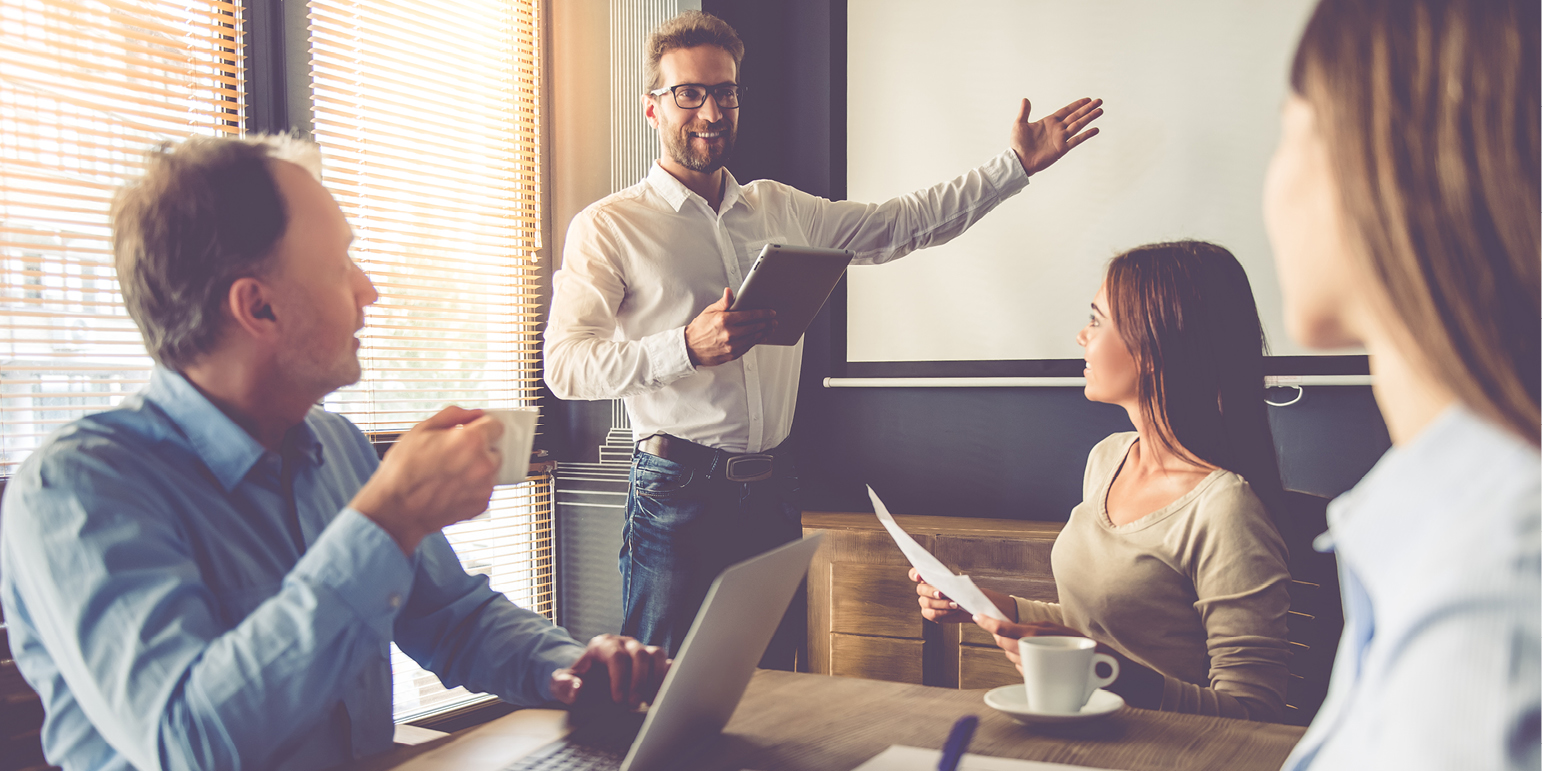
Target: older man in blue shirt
210,575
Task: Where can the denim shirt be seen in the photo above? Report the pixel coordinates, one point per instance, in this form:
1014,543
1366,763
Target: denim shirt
1440,560
172,611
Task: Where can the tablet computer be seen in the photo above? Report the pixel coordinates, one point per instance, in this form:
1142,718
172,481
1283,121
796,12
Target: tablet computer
794,281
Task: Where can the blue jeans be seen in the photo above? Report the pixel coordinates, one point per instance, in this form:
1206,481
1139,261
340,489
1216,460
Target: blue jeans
684,524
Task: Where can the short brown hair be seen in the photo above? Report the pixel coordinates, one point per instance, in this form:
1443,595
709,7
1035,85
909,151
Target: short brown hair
1186,313
688,30
206,212
1429,110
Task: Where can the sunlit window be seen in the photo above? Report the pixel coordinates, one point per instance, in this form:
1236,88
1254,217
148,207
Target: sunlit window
429,123
85,89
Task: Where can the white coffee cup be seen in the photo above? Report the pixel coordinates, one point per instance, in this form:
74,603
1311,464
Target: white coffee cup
515,443
1058,672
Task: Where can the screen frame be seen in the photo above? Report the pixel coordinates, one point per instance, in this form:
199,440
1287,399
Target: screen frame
838,307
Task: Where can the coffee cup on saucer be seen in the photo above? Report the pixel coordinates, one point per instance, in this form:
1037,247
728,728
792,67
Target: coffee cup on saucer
1059,672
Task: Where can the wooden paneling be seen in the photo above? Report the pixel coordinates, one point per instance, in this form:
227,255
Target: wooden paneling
1019,554
985,668
863,617
877,658
865,600
860,556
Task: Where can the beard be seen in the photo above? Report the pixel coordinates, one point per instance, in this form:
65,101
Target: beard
677,143
319,360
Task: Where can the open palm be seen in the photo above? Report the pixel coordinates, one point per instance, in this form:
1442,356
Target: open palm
1040,143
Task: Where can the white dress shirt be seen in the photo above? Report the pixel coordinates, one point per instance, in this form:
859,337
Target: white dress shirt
639,265
1440,556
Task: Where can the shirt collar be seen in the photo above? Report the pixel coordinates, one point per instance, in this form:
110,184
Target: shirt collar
1428,469
675,193
224,447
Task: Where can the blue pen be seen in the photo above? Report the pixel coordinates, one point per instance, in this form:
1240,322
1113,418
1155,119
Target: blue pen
958,739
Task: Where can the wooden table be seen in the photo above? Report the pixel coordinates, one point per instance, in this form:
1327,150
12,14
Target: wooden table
802,722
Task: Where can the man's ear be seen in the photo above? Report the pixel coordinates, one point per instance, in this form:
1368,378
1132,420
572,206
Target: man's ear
649,106
251,308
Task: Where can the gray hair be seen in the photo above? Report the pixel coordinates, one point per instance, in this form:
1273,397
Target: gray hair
206,212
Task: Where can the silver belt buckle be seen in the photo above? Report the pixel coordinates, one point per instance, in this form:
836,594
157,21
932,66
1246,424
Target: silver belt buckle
749,468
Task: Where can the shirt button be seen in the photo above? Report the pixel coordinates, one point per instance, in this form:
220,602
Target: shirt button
395,600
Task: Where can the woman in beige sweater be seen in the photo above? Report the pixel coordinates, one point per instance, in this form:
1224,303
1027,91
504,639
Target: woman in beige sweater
1171,561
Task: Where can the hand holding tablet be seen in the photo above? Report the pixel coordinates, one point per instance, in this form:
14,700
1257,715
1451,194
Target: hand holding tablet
783,292
794,281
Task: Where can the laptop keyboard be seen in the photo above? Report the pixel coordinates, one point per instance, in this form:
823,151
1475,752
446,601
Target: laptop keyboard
568,756
600,743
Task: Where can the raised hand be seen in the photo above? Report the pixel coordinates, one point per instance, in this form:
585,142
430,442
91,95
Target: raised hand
1040,143
719,335
437,474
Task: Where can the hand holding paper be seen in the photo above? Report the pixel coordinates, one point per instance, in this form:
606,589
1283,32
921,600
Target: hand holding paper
959,588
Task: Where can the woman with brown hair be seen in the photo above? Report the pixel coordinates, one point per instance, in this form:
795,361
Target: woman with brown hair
1403,205
1172,561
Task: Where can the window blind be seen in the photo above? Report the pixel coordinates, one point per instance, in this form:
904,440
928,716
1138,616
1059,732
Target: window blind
428,118
86,87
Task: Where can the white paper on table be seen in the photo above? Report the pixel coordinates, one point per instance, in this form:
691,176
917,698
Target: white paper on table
901,758
958,588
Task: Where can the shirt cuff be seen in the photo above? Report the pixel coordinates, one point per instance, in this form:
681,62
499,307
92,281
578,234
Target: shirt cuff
550,661
363,566
1005,173
668,358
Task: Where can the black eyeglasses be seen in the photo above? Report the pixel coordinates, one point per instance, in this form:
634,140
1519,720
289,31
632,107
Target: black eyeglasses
689,96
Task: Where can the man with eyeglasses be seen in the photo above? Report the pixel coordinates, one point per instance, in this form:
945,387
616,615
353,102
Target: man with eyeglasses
640,312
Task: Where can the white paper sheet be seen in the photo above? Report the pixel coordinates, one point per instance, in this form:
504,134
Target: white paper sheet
958,588
901,758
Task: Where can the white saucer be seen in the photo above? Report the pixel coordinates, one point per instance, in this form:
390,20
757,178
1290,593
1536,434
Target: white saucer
1013,700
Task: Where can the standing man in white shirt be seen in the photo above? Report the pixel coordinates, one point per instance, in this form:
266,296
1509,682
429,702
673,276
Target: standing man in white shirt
640,312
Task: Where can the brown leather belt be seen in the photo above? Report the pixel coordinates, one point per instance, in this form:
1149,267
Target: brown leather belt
747,467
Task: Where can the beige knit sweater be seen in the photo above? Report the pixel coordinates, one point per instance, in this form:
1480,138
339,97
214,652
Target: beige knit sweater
1196,590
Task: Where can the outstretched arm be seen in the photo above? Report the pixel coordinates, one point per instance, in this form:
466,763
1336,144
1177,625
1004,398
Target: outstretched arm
880,232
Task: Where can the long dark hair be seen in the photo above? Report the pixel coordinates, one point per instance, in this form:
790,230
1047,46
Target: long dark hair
1185,311
1429,109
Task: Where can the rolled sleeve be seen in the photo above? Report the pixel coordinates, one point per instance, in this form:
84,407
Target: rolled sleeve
584,360
1005,173
669,359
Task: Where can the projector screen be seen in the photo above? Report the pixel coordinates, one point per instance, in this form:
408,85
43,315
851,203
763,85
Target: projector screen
1192,94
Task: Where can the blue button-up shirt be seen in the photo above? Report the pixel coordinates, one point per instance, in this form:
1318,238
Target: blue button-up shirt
1440,561
173,611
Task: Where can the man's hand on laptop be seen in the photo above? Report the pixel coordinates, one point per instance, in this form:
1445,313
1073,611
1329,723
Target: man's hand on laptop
630,671
437,474
718,335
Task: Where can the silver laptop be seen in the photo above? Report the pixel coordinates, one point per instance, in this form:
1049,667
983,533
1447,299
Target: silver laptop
704,685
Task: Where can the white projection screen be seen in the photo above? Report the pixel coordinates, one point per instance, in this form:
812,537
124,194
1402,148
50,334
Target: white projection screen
1192,93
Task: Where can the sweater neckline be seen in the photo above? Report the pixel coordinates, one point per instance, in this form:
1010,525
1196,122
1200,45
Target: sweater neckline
1154,517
